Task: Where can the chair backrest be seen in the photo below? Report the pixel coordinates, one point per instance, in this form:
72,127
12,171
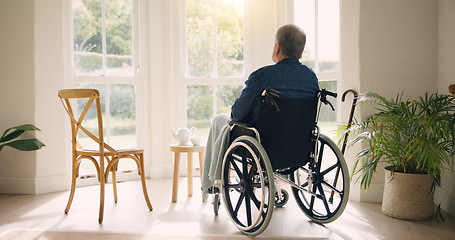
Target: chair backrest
93,96
286,130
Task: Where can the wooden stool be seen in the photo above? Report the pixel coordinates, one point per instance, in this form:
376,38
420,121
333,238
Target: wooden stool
177,149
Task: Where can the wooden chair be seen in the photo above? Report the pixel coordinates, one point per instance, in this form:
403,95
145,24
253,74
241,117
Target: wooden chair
106,152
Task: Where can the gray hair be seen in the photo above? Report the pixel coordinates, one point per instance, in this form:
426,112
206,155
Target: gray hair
292,41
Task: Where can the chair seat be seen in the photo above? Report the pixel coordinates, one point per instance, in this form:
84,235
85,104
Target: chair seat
93,151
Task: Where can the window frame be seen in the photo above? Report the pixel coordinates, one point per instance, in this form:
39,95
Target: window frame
135,79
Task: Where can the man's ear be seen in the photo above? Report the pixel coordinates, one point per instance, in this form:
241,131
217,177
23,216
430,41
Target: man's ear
276,52
277,49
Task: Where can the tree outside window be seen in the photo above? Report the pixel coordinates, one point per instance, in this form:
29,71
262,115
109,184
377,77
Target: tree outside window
214,51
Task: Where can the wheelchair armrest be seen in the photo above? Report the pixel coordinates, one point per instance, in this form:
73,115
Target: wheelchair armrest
244,129
244,125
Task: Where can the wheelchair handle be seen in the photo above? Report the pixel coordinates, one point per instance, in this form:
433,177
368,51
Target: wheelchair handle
323,93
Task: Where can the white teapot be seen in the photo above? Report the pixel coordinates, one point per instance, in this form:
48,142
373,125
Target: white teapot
184,135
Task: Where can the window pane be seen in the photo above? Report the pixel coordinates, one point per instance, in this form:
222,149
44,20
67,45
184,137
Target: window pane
328,31
305,18
122,121
87,168
199,108
200,34
90,121
88,50
226,96
119,58
214,38
230,38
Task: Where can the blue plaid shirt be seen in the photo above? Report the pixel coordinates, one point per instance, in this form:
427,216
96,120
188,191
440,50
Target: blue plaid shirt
289,76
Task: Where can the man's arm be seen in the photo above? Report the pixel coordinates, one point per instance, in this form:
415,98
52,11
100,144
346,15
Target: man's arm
242,110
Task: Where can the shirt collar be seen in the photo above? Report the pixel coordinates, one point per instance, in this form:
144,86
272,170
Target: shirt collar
289,61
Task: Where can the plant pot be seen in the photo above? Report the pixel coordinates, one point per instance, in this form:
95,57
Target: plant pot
408,196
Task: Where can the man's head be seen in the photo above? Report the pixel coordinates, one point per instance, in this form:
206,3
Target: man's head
290,42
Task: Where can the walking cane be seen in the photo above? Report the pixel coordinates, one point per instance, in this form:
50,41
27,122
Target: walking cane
343,148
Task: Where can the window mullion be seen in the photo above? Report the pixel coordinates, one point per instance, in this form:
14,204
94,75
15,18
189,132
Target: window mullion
103,35
215,39
108,113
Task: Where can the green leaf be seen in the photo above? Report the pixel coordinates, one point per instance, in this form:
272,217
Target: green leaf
11,136
24,144
25,127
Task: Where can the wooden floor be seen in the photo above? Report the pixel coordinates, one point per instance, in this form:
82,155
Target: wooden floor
189,217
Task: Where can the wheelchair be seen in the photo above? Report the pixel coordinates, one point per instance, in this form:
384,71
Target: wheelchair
285,147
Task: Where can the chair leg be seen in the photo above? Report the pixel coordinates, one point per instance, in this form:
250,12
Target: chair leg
101,215
114,180
175,178
75,174
144,187
102,185
73,189
190,173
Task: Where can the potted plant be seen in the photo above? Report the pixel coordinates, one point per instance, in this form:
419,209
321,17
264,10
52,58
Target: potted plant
415,138
8,137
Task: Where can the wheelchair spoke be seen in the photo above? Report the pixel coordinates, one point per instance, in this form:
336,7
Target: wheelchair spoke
332,188
312,198
252,171
254,198
237,169
324,199
248,208
329,169
239,203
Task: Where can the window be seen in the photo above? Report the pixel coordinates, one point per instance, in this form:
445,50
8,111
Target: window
320,21
215,65
102,34
104,56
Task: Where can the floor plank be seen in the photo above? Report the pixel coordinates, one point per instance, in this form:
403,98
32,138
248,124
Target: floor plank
190,217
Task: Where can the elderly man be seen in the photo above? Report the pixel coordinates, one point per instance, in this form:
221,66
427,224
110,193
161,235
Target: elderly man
287,75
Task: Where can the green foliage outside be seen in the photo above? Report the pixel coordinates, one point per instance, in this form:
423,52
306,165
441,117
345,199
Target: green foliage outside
122,105
88,45
203,35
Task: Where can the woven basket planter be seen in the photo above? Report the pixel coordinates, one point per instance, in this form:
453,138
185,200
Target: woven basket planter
408,196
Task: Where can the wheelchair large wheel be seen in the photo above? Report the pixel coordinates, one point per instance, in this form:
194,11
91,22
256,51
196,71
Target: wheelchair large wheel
247,185
327,197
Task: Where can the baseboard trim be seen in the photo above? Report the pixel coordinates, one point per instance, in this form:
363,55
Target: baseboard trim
36,185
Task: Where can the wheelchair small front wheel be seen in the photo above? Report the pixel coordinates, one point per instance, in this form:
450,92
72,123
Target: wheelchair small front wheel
328,195
247,185
281,201
216,203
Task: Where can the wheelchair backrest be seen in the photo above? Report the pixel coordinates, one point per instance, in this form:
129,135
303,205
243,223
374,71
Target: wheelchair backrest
286,126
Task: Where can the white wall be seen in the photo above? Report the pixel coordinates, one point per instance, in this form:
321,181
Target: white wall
387,47
17,89
31,74
446,77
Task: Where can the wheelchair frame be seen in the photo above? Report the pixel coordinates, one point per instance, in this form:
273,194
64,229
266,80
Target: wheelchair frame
247,176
